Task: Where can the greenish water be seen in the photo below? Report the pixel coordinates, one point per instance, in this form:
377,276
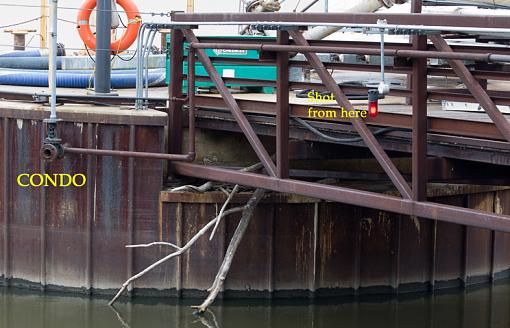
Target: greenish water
477,308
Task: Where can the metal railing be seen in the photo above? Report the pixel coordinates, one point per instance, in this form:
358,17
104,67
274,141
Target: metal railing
276,53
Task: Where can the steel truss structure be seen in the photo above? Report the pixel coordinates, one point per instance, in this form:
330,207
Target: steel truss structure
413,61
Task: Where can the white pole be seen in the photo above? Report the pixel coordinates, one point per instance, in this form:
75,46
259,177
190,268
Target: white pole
52,76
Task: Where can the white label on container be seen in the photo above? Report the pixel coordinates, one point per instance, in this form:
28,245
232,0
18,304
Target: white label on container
229,73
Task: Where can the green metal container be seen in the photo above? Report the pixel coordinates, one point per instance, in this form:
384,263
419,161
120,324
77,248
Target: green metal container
267,73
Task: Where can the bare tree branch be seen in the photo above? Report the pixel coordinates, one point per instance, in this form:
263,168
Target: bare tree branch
217,285
156,243
183,249
236,188
123,323
207,322
203,188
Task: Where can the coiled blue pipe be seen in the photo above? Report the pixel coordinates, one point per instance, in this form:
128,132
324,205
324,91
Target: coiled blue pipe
77,79
27,62
27,53
61,51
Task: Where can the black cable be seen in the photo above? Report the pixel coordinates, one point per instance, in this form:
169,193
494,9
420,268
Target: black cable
88,53
126,60
21,23
120,19
340,140
161,14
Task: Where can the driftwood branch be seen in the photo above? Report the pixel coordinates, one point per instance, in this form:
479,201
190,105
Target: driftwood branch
217,285
247,210
209,323
183,249
156,243
122,322
202,188
230,196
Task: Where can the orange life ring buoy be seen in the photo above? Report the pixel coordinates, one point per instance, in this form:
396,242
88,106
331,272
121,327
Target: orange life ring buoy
120,44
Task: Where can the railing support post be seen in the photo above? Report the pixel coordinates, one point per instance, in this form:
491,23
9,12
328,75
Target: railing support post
282,108
419,118
175,93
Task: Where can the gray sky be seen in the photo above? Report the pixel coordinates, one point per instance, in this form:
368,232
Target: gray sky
69,36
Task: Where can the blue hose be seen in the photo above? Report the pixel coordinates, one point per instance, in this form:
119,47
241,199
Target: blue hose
18,54
121,79
27,62
61,51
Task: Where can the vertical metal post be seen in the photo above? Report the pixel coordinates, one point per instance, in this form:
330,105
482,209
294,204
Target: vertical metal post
52,77
191,100
419,119
416,6
43,26
282,108
102,78
326,6
190,6
175,92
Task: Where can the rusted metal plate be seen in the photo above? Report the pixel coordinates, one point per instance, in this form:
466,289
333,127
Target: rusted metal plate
416,247
24,231
252,268
338,251
479,241
72,237
66,210
501,259
449,249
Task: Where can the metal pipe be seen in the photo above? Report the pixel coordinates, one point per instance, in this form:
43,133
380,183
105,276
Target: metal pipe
447,213
133,154
139,67
102,83
191,101
171,157
52,77
487,57
152,34
450,19
383,88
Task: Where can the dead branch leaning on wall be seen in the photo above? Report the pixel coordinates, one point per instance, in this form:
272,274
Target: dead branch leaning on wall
180,251
217,285
246,216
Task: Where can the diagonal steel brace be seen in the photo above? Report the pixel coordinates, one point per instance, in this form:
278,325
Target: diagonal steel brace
474,87
360,126
245,126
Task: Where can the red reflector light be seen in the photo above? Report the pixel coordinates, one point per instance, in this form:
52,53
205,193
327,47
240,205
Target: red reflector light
373,109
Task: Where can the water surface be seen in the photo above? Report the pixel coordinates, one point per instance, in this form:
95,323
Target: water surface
477,308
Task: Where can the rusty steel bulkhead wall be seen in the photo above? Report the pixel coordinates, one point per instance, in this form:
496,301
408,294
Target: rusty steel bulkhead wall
297,246
73,239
